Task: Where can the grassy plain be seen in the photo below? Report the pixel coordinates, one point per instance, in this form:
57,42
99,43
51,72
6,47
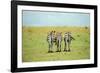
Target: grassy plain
35,46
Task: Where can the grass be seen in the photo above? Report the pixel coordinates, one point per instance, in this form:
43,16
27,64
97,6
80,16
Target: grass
35,46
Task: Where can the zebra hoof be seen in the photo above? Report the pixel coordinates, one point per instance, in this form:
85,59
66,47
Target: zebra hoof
65,50
69,50
60,51
57,51
50,51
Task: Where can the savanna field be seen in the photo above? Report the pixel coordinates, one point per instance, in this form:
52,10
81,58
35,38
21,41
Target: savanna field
35,45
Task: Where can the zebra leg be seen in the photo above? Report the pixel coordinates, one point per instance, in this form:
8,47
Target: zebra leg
60,48
69,46
49,48
57,48
65,47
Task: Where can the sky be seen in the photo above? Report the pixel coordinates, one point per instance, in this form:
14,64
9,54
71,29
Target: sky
47,18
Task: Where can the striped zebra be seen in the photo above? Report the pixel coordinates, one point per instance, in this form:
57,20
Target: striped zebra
58,41
51,40
67,41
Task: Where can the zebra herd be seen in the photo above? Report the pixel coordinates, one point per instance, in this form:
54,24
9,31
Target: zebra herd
55,38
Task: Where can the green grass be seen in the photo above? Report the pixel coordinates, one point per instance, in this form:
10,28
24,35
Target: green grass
35,46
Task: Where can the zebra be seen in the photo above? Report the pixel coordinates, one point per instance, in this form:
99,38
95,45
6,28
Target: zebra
67,41
51,40
58,41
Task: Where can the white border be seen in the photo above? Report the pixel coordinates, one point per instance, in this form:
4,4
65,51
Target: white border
53,63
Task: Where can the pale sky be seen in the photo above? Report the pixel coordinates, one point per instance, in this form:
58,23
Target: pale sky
45,18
